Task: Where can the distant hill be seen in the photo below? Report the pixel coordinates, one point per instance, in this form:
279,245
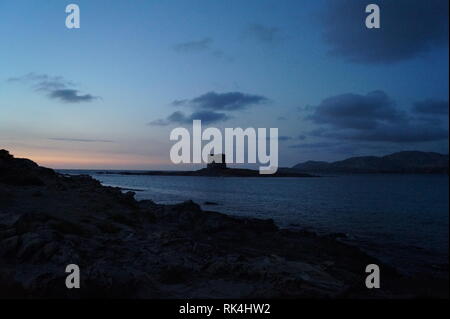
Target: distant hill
401,162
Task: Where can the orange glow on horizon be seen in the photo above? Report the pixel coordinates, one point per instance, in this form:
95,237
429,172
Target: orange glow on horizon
78,160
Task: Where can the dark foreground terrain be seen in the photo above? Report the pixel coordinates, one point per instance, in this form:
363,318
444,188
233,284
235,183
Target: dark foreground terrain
131,249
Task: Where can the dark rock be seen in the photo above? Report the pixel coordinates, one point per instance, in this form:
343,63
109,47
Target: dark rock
108,227
211,203
174,274
187,206
147,204
9,246
261,225
130,249
69,228
49,250
123,219
30,245
128,199
336,235
4,155
29,222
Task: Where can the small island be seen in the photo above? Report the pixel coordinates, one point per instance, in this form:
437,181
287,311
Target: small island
217,167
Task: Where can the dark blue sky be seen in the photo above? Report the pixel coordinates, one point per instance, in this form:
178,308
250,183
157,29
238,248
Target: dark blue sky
108,94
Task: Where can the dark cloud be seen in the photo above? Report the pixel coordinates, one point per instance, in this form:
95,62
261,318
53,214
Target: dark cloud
305,108
264,34
194,46
284,138
209,107
357,111
179,102
64,139
408,28
313,145
220,54
431,107
398,134
373,118
207,117
176,117
231,101
203,45
71,96
43,82
56,87
206,107
347,149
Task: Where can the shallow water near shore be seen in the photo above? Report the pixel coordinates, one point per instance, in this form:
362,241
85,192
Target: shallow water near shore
401,219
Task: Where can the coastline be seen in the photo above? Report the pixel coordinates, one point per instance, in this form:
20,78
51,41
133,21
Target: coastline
227,172
138,249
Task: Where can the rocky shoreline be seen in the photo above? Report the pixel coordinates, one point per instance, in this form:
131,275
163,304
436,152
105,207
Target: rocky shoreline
138,249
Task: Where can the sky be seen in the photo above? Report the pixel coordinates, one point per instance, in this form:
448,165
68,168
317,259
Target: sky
107,95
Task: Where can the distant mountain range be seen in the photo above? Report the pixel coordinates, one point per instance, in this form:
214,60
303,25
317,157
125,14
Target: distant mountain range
401,162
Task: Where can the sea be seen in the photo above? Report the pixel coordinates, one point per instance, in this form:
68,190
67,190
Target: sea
403,220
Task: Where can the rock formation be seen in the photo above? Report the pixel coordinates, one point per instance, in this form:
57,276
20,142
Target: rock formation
132,249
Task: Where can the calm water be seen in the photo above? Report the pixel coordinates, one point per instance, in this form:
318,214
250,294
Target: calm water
402,219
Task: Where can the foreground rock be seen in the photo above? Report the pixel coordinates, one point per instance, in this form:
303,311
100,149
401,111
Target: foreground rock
132,249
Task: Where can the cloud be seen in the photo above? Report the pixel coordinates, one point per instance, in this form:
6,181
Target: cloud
347,149
220,54
207,117
398,134
179,102
210,107
284,138
231,101
71,96
357,111
43,82
409,28
373,118
194,46
202,45
64,139
56,87
313,145
264,34
431,107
